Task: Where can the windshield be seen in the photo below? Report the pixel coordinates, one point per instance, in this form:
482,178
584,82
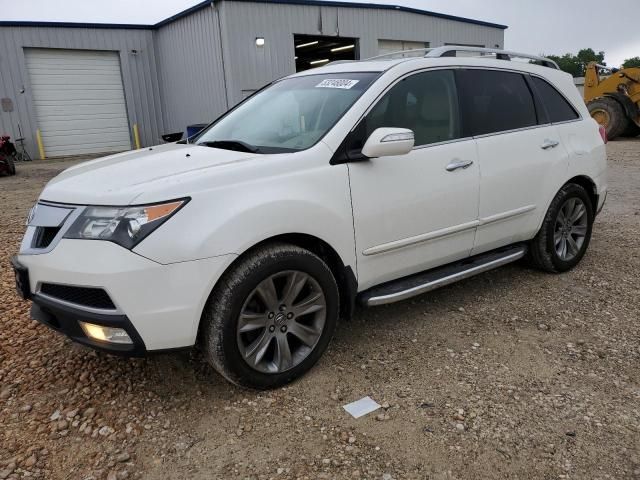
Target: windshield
290,115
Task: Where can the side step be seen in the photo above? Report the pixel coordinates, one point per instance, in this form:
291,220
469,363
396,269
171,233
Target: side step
423,282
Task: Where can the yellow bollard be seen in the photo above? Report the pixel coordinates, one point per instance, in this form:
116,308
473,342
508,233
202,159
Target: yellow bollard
136,136
40,145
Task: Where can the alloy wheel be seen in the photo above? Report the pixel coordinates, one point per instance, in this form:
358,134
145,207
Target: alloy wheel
570,229
281,321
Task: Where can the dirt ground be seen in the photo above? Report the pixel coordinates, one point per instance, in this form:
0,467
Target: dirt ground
511,374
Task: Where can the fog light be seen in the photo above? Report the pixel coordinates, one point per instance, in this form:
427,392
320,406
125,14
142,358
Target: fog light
106,334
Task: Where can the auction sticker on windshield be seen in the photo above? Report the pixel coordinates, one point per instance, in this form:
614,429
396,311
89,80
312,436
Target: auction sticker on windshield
343,83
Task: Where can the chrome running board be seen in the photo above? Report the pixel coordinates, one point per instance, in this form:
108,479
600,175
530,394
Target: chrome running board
407,287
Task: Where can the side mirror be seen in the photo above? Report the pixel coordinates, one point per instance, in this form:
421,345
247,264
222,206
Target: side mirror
387,142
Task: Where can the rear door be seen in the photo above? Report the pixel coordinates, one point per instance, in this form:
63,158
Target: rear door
562,115
519,152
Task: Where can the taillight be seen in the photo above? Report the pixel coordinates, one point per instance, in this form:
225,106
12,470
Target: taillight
603,133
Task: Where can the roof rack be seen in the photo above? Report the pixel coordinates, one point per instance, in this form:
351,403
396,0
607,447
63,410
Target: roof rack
452,50
401,52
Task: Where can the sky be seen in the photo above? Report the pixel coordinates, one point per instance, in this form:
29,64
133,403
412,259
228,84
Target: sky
535,26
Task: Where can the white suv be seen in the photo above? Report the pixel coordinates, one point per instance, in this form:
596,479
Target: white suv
371,181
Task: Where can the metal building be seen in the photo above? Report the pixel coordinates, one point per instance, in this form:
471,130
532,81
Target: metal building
73,89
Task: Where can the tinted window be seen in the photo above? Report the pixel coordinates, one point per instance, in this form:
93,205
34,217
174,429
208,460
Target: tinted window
426,103
558,109
494,101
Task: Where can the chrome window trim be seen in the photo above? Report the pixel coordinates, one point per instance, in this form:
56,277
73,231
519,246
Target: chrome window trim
444,142
466,67
515,130
564,122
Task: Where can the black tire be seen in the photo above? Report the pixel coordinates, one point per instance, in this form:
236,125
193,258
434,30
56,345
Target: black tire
632,130
222,313
542,249
610,114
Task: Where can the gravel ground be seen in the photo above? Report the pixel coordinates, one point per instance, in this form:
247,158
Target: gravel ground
511,374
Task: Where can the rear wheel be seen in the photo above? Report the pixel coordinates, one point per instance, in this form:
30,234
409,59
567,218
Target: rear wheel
610,114
271,317
565,234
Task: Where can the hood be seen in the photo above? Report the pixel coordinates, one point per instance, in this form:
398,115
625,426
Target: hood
122,178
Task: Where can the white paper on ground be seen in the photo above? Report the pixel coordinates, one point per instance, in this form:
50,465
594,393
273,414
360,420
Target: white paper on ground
361,407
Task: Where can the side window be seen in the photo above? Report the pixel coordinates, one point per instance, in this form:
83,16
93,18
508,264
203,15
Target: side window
557,107
426,103
495,101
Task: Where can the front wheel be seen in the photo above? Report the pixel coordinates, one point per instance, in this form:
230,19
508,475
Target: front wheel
271,316
565,234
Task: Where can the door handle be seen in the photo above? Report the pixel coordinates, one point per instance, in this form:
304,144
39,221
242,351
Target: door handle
453,166
547,144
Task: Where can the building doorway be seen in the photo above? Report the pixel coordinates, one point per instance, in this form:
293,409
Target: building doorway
313,51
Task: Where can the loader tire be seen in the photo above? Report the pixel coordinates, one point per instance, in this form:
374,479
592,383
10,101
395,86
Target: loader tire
610,114
632,130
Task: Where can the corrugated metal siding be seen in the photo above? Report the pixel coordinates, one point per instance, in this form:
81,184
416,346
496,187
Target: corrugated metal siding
142,92
190,70
251,67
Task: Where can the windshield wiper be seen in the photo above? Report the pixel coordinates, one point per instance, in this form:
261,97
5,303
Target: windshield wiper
237,145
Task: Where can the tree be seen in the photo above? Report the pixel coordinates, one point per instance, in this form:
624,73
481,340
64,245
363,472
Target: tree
631,63
576,65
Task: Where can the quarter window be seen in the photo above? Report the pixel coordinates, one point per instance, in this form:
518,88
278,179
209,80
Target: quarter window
557,107
495,101
426,103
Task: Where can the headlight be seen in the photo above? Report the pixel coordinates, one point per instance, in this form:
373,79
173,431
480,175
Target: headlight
126,226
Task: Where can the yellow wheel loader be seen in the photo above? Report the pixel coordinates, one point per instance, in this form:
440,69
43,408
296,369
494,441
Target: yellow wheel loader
614,101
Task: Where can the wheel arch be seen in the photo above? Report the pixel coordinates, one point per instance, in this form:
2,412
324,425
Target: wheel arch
584,181
344,274
589,185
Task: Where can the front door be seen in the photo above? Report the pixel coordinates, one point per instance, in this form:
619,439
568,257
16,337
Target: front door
420,210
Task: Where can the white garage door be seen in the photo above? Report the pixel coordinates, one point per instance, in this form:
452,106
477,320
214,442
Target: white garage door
390,46
79,101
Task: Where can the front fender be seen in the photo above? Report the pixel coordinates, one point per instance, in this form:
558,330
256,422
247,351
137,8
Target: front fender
230,219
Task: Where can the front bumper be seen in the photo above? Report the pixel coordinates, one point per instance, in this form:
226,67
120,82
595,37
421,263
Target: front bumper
65,319
159,306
